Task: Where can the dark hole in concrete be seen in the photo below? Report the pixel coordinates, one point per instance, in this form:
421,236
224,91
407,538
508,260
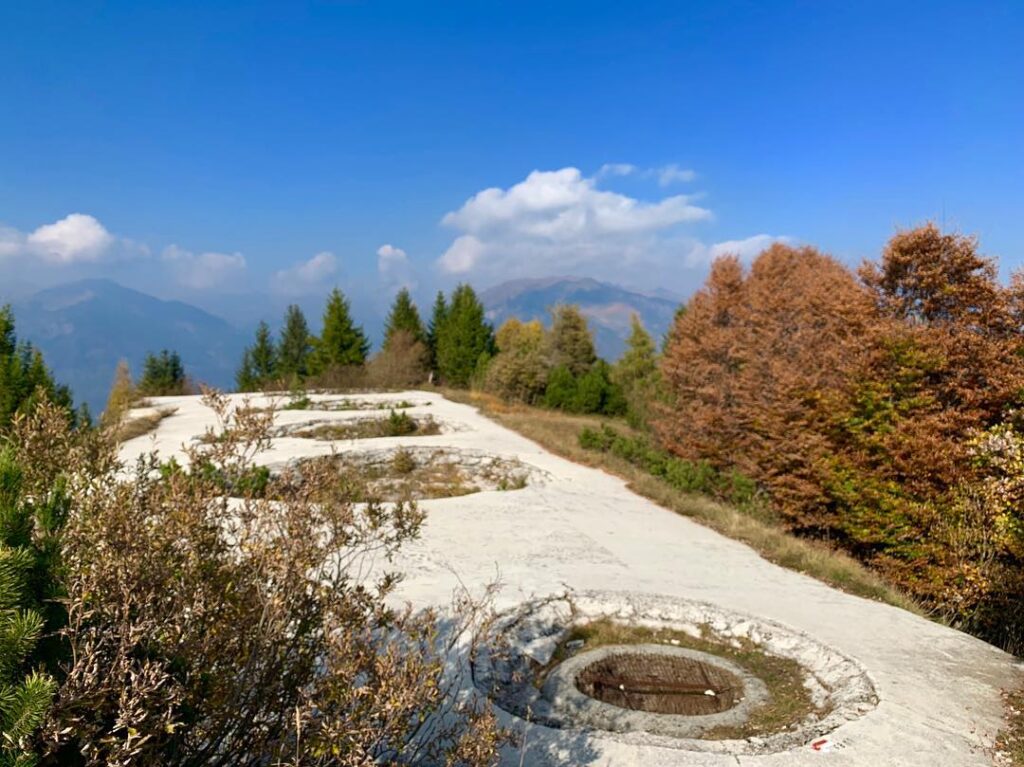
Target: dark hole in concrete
660,684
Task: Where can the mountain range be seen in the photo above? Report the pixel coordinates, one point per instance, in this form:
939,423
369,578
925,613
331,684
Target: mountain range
608,308
83,328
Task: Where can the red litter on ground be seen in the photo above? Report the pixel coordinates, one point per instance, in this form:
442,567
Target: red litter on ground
823,745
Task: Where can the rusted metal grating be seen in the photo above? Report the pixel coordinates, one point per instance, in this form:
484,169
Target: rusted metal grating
660,684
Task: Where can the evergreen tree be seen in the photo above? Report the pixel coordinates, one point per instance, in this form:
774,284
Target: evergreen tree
245,378
342,342
464,338
163,375
294,349
437,317
403,316
560,393
24,377
571,342
29,590
259,362
636,374
263,355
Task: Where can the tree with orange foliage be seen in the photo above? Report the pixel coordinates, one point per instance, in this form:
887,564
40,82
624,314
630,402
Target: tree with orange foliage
754,364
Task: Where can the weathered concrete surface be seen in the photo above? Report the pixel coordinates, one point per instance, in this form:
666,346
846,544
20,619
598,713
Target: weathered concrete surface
938,689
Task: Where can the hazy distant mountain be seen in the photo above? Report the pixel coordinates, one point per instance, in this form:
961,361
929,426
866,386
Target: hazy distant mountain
84,328
607,307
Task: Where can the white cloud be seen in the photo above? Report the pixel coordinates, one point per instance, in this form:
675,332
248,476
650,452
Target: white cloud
12,242
203,271
616,169
77,237
672,174
557,222
307,276
394,267
746,249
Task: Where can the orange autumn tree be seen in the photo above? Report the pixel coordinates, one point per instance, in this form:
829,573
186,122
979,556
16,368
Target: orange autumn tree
754,365
875,413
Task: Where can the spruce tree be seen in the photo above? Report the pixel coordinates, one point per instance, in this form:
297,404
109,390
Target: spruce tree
24,377
571,342
259,362
245,378
294,349
263,354
437,317
163,375
342,342
29,590
404,316
636,374
464,338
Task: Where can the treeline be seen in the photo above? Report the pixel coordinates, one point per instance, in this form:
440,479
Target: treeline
457,347
878,410
25,380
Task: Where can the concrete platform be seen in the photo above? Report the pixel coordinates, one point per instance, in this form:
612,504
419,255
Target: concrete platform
579,528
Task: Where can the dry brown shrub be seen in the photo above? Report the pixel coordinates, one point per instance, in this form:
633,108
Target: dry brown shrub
241,631
402,364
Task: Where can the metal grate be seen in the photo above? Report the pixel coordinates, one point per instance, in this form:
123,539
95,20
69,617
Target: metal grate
660,684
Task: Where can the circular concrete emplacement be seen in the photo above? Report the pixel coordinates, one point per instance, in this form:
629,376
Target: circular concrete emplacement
673,691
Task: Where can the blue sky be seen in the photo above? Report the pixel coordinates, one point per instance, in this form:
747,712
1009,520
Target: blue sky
230,149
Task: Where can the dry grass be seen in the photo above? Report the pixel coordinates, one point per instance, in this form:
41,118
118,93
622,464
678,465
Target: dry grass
400,425
1010,742
789,700
418,475
559,433
136,427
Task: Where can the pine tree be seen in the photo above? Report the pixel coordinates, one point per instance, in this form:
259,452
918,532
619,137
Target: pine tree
342,342
464,338
263,355
293,352
259,362
571,342
437,317
28,609
403,316
163,375
245,378
636,374
24,377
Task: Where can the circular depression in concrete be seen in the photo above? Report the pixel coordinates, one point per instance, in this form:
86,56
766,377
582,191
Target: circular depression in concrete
523,641
663,690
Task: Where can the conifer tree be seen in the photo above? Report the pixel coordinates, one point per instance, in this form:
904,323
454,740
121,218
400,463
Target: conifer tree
163,375
571,342
245,378
24,377
437,317
464,338
404,316
259,361
636,373
342,342
28,585
263,354
293,352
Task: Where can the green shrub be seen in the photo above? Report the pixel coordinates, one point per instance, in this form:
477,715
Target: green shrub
689,476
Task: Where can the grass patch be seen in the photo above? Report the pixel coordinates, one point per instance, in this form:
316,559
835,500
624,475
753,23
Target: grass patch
397,424
144,424
559,433
789,702
419,475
